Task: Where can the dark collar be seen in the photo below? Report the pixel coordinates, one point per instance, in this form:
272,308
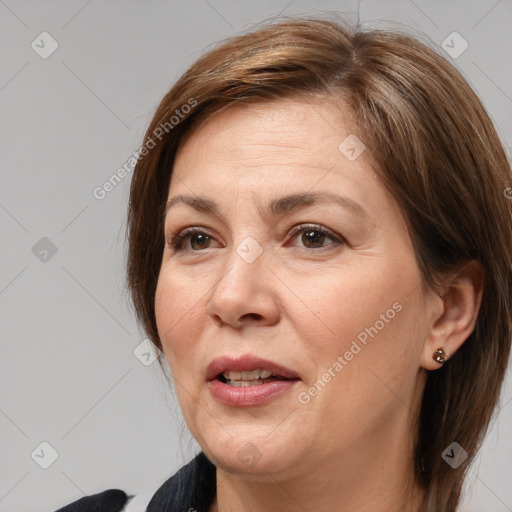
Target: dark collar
191,489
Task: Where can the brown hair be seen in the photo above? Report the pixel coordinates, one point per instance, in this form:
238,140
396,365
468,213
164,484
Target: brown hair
436,151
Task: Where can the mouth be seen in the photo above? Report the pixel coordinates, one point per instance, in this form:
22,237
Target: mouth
248,381
249,378
247,370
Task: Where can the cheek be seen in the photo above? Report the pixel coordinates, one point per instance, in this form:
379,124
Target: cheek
176,309
351,303
355,389
372,320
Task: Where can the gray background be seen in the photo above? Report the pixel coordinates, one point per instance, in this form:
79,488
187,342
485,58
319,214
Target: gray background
69,376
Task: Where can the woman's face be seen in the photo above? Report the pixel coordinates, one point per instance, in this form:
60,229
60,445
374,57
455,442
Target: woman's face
299,265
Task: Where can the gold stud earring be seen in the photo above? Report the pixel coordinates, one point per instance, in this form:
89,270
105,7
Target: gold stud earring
439,356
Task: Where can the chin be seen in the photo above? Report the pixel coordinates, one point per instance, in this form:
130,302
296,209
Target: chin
251,454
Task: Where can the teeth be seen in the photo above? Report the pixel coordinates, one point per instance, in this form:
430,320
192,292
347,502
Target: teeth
232,375
244,383
252,375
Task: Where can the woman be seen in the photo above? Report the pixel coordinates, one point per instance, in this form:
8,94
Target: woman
320,242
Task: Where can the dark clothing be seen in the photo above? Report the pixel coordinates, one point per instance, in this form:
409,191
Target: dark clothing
191,488
112,500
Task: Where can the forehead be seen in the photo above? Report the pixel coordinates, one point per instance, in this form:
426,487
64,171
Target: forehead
286,133
288,146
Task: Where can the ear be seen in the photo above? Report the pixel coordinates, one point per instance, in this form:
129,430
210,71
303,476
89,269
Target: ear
454,313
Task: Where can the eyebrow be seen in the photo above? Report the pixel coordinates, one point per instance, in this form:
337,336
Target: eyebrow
277,207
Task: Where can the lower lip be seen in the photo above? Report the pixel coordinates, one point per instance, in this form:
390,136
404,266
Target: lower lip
249,396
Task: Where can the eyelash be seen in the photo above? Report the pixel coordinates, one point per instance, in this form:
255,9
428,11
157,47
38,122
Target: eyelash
176,239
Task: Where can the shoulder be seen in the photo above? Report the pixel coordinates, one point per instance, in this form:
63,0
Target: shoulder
112,500
191,487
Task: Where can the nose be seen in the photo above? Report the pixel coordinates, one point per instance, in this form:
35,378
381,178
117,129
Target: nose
245,294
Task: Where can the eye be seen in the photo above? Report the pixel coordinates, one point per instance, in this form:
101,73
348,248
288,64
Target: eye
313,236
198,238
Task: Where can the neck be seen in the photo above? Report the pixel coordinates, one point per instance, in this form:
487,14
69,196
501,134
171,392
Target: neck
359,481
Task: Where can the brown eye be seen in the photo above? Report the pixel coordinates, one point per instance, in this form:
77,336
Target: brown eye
312,237
200,239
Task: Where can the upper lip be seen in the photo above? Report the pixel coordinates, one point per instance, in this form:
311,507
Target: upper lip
246,362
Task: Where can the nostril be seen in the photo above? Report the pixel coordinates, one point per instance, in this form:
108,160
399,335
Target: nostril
254,316
217,320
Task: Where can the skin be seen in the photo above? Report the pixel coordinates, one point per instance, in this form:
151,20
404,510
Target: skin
302,304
